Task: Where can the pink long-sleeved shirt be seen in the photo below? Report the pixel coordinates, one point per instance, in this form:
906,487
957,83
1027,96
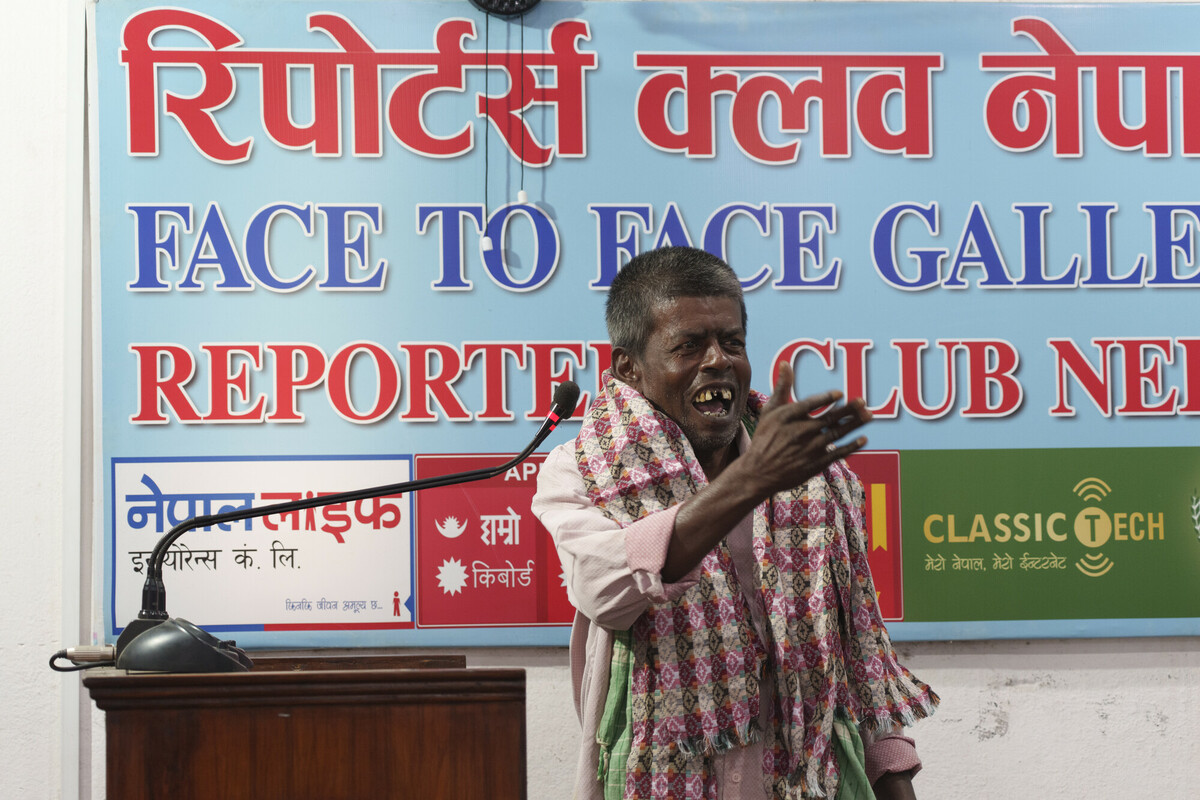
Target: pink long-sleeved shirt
613,575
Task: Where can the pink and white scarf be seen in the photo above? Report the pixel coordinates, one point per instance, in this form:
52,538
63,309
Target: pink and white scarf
698,660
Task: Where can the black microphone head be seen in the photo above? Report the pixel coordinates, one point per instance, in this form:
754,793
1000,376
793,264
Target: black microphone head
566,397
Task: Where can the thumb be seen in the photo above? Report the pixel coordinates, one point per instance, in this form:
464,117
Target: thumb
781,394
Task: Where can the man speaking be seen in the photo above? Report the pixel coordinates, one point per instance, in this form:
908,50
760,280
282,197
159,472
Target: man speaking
727,642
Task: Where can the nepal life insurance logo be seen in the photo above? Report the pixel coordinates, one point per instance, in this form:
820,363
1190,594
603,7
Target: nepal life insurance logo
1097,527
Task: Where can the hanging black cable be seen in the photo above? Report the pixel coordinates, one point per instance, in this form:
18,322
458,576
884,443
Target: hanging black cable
487,104
504,9
487,117
521,196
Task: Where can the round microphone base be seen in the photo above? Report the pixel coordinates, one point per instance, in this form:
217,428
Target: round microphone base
177,645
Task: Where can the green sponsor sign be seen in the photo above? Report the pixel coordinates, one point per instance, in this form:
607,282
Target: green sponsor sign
1079,534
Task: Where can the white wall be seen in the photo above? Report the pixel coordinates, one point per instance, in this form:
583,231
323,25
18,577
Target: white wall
1105,719
1044,719
36,494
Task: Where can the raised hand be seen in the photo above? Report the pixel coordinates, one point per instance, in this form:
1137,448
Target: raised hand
796,440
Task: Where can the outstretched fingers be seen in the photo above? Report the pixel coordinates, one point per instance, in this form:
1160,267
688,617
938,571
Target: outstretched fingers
841,420
796,410
834,451
817,422
781,392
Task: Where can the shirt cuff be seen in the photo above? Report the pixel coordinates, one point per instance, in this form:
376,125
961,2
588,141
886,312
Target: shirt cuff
646,545
891,752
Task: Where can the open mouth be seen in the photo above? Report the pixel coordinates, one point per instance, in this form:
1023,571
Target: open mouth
713,402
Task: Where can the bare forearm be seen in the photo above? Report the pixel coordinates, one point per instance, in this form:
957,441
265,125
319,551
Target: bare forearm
789,447
706,518
895,786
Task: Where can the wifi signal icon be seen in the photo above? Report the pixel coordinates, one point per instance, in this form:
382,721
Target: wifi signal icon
1094,564
1092,489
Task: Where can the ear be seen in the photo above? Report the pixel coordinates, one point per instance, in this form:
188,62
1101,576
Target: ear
626,368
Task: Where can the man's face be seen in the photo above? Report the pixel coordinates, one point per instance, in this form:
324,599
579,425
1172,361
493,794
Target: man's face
694,369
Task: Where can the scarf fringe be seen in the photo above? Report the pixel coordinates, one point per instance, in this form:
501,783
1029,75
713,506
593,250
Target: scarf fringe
722,742
807,776
921,708
806,784
810,782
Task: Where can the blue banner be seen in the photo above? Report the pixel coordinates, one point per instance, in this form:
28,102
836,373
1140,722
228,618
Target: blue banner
338,239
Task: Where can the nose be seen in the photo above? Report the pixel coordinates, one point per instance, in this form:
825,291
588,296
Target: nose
715,357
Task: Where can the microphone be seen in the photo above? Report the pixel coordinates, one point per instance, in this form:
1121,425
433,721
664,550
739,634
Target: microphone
184,647
562,406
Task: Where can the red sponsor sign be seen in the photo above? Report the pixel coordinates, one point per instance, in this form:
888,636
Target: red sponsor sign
483,559
880,475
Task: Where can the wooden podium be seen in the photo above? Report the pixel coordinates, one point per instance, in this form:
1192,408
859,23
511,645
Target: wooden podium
357,727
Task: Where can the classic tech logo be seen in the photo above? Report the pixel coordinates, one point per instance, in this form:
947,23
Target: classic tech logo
1095,527
1029,539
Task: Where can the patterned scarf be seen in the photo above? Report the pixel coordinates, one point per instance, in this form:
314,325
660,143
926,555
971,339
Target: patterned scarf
697,661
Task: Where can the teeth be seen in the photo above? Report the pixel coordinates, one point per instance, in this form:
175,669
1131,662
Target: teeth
709,394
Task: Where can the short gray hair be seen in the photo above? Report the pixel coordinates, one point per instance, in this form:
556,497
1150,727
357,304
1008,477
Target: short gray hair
659,276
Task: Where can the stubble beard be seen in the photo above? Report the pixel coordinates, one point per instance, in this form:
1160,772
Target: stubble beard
705,444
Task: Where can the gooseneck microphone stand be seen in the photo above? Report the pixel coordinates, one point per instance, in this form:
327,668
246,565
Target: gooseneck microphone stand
154,642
